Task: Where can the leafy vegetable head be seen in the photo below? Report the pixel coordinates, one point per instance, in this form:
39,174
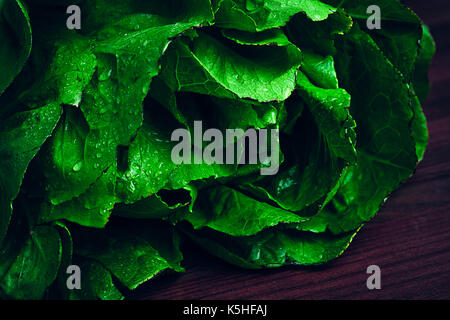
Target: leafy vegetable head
87,176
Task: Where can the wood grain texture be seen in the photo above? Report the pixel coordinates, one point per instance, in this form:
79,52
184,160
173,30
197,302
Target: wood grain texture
409,238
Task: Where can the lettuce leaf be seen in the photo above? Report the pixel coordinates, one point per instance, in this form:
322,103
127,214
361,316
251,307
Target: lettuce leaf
87,117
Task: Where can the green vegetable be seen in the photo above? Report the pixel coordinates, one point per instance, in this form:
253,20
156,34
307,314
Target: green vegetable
15,33
87,119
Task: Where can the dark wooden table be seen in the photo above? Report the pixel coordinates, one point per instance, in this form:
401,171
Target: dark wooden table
409,238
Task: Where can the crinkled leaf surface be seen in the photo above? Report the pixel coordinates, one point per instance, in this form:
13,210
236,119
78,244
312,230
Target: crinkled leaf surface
151,169
232,212
132,252
86,122
259,15
386,149
331,141
210,67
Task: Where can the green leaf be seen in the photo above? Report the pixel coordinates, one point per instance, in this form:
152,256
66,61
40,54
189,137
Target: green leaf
111,103
71,70
61,66
76,157
320,156
36,266
21,137
150,167
399,35
232,212
274,248
155,207
59,288
259,15
223,113
382,107
96,282
320,70
421,88
426,53
392,10
132,14
92,208
15,35
319,36
264,74
132,252
330,108
269,37
87,119
72,64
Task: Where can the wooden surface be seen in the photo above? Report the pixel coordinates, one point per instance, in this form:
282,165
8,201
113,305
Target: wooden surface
409,239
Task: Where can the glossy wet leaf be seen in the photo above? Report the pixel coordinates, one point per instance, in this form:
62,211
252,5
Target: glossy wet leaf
212,68
21,136
89,120
232,212
35,267
259,15
132,252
